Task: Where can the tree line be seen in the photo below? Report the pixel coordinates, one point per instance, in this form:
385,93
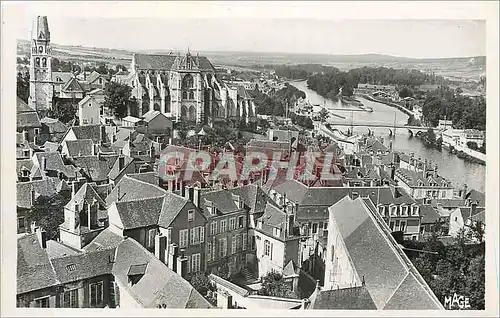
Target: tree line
274,103
465,112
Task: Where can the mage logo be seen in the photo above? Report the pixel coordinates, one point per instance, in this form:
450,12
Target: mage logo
456,302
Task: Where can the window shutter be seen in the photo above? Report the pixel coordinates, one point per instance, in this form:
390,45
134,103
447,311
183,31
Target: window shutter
188,263
202,234
191,237
271,255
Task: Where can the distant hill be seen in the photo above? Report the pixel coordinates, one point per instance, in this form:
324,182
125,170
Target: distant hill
460,67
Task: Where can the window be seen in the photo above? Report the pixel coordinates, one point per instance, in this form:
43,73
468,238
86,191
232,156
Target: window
44,62
325,226
333,253
70,299
391,225
244,241
151,238
315,228
191,95
443,194
195,236
213,228
241,221
40,49
393,211
223,247
183,237
184,95
253,242
42,302
232,224
190,215
381,210
209,251
36,131
233,245
276,232
404,210
96,297
267,248
21,225
85,121
415,211
26,153
223,225
195,262
402,226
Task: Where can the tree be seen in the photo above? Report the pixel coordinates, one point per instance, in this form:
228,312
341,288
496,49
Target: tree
102,69
472,145
48,213
274,285
323,114
118,99
201,283
23,86
405,92
63,110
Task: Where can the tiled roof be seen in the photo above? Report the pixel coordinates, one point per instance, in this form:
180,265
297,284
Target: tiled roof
148,177
44,187
54,162
344,299
448,203
104,240
223,199
64,76
83,266
154,62
57,249
23,164
115,171
478,196
93,77
50,146
72,86
86,194
34,270
171,206
22,107
139,213
88,132
132,189
156,286
96,167
429,214
28,119
253,196
412,178
368,241
79,148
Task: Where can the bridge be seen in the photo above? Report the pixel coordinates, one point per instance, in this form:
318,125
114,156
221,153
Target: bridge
413,130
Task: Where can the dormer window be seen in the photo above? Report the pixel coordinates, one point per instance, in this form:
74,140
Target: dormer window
40,49
393,210
404,210
414,211
135,273
190,215
276,232
381,210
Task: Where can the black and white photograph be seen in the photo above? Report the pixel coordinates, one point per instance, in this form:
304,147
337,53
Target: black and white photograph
219,156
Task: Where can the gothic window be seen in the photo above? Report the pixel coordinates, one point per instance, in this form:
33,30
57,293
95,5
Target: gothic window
145,107
44,62
37,62
40,49
187,81
184,95
183,112
192,113
156,107
191,95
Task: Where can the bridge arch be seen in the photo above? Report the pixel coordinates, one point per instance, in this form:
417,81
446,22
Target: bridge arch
411,132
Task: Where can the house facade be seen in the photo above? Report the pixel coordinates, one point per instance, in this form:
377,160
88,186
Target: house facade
89,111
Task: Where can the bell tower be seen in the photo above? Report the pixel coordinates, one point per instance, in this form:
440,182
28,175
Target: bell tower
41,86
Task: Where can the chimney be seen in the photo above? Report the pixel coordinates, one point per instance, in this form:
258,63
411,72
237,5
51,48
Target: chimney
182,265
32,197
160,247
196,195
43,163
435,172
305,302
172,257
464,193
103,133
121,163
42,237
473,208
393,172
95,150
74,188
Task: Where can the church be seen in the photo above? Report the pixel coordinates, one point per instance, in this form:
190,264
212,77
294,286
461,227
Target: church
186,88
182,87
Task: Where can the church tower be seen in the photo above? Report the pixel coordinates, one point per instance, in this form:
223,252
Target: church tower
41,86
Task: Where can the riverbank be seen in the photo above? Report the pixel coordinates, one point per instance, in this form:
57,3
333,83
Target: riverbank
401,108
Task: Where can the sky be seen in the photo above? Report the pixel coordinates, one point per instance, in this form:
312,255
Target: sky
202,30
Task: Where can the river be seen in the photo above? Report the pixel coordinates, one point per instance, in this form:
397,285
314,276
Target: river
457,170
